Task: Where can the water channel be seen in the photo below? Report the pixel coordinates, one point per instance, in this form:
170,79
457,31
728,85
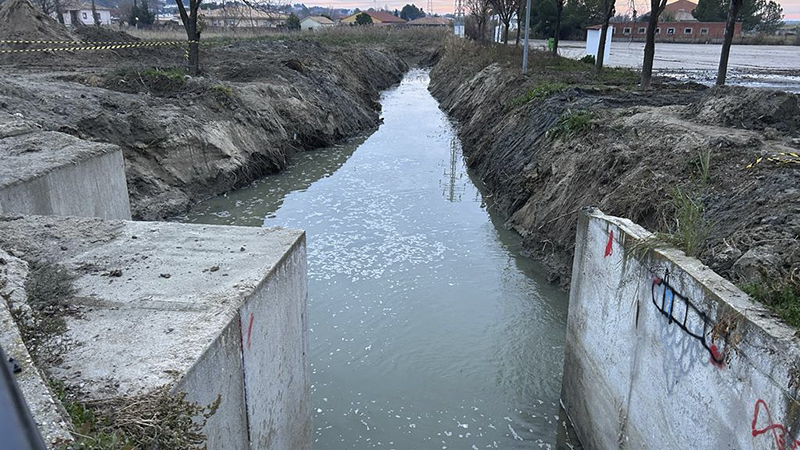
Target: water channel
429,330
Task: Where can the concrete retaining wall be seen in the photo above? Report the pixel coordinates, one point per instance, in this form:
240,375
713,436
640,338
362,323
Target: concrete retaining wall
664,353
50,173
217,312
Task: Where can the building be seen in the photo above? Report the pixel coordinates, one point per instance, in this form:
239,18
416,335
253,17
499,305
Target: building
378,18
242,17
429,22
682,32
593,41
679,11
314,23
81,13
676,24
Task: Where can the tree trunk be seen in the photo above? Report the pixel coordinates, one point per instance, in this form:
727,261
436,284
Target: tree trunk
95,19
519,23
190,24
59,13
650,44
608,10
559,9
505,33
730,27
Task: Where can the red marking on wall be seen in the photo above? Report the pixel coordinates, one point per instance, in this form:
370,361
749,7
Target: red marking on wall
249,330
609,245
716,356
783,440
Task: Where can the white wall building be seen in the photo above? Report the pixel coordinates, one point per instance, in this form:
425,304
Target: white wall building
81,13
593,41
314,23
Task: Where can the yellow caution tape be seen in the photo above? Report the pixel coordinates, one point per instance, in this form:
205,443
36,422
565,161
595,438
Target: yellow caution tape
84,43
96,47
779,158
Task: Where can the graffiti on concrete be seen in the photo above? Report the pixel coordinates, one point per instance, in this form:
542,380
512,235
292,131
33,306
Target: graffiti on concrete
684,314
763,424
609,244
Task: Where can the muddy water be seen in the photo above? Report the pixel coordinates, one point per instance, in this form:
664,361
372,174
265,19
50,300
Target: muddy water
428,329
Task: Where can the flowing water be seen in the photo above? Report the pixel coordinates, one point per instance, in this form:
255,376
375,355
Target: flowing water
429,330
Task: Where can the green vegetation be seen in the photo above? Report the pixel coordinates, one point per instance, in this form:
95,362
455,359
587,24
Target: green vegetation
158,419
293,22
688,229
222,90
411,12
570,123
363,19
540,91
781,296
173,75
588,59
703,164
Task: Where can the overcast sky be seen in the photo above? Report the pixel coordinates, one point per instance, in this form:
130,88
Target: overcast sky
791,8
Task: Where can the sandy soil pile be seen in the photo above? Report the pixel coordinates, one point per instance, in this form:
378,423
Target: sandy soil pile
20,20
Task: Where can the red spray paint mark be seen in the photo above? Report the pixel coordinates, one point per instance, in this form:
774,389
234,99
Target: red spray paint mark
249,330
609,247
716,356
783,440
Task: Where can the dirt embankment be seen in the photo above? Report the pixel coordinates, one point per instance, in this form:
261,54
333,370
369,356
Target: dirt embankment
189,138
185,139
673,160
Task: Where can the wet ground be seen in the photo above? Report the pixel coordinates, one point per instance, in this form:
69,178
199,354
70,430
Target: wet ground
429,330
767,66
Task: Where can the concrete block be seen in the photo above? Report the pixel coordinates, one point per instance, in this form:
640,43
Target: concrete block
664,353
166,303
51,173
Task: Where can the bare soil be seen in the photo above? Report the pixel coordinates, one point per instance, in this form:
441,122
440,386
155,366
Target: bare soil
189,138
637,155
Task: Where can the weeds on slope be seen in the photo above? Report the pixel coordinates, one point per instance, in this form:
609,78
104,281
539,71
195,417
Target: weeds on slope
570,124
781,296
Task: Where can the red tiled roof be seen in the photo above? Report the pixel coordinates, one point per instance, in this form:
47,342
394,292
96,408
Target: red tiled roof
385,17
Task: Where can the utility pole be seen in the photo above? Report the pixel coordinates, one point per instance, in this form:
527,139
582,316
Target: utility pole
429,10
527,29
458,23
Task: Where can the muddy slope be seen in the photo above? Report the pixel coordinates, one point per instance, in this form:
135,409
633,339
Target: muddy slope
186,139
631,160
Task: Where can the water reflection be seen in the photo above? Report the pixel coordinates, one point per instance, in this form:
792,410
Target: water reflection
428,329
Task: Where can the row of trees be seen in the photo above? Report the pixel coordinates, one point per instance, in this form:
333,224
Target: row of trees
555,17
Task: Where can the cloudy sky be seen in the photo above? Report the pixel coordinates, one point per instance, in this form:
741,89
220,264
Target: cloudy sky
791,8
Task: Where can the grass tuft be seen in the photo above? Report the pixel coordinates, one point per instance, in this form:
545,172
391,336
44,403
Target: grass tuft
539,91
570,124
688,229
780,296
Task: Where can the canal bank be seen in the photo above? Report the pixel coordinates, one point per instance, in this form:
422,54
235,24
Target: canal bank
428,328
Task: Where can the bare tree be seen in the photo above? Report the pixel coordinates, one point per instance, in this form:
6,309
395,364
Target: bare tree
479,9
559,11
656,7
95,17
189,20
520,11
608,13
505,11
730,27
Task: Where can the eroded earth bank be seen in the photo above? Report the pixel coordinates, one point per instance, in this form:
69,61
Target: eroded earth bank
189,138
714,170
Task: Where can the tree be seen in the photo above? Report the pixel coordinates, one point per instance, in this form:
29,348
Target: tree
771,18
608,8
557,31
521,4
95,16
411,12
479,10
504,10
656,6
189,20
363,19
293,22
730,26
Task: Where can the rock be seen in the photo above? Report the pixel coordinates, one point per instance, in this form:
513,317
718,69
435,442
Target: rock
757,264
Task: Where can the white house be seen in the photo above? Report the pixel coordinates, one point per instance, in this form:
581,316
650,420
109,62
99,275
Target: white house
315,23
593,41
81,13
